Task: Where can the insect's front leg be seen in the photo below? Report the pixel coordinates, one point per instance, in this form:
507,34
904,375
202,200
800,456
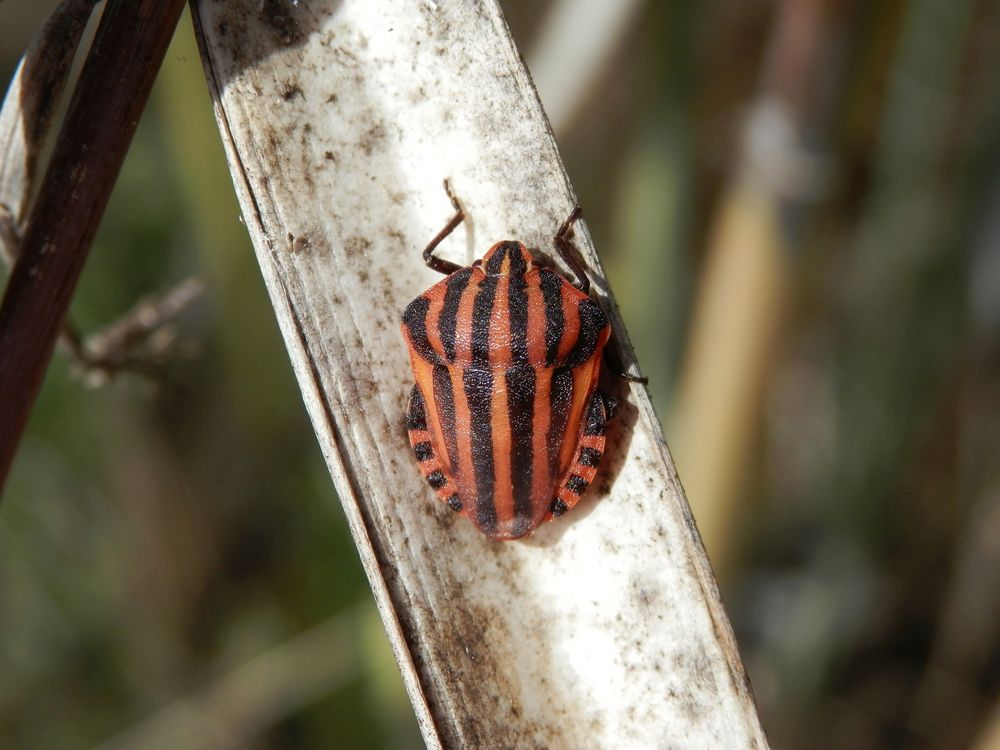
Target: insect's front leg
569,253
571,256
615,366
440,264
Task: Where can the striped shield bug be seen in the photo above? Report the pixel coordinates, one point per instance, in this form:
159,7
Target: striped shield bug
505,418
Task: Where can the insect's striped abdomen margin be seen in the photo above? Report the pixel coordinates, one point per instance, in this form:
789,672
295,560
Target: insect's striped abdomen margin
431,467
589,452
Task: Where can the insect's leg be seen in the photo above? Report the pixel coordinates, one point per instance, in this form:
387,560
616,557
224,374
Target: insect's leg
569,253
610,407
615,366
588,455
420,441
440,264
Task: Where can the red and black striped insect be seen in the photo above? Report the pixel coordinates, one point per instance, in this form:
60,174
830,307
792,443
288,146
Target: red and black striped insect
505,418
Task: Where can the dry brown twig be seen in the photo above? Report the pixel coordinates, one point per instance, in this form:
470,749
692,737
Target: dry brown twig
140,341
102,116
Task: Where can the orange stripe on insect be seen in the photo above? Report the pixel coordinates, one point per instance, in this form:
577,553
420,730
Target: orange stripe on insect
536,318
503,496
464,475
500,326
463,323
433,321
542,475
571,322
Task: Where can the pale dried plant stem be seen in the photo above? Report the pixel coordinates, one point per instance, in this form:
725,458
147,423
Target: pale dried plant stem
341,120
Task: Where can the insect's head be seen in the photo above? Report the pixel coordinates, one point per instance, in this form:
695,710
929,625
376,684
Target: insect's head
507,258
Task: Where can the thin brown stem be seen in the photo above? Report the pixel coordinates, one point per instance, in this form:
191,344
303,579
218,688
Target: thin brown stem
112,91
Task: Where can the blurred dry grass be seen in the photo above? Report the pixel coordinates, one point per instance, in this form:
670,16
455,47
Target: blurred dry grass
799,208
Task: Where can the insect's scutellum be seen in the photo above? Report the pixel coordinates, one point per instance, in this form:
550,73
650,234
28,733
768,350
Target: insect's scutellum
505,418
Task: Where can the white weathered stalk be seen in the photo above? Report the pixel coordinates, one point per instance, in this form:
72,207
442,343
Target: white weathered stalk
341,120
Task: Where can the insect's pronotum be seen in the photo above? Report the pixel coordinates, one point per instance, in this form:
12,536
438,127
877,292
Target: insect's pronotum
505,418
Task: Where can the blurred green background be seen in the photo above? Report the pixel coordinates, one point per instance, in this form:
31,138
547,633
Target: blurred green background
798,206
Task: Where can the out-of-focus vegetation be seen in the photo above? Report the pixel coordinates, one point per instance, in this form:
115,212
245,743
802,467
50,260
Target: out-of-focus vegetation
798,204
